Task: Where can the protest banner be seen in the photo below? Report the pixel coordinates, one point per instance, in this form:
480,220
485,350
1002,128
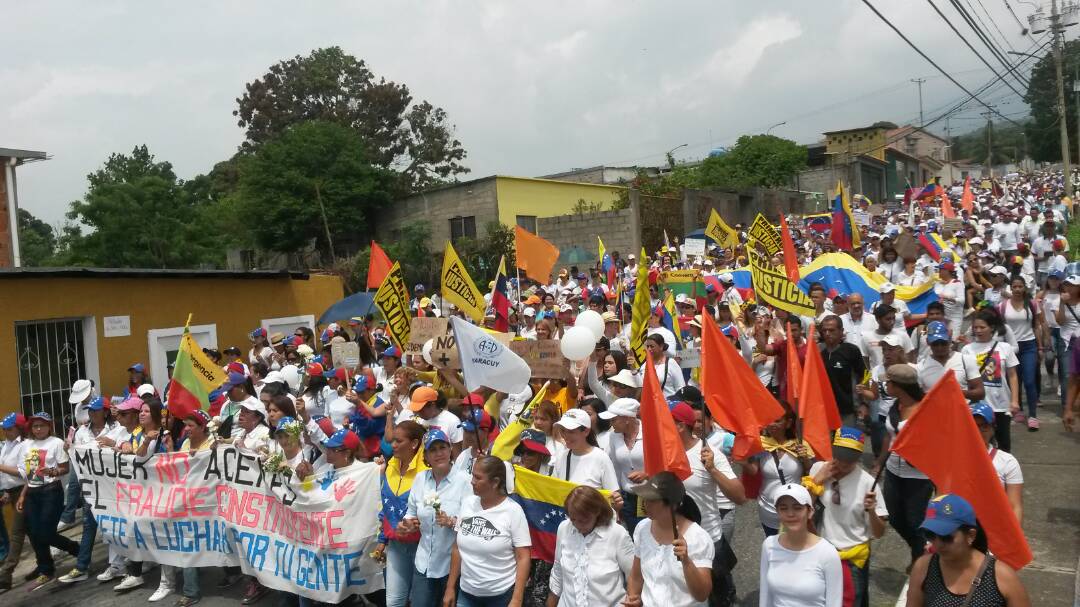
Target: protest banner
693,246
423,328
774,288
862,218
346,355
724,235
458,287
689,358
444,350
543,355
219,507
392,299
765,234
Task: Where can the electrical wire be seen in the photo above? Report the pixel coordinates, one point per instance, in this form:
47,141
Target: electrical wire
990,18
997,53
968,44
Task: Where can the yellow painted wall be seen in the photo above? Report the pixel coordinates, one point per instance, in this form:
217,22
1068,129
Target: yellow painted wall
235,305
871,142
547,198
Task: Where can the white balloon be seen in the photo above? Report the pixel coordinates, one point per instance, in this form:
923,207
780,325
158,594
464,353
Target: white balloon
426,350
592,321
577,343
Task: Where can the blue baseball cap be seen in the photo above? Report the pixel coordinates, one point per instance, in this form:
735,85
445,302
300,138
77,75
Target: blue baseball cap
936,331
476,417
138,368
1058,274
433,436
391,352
284,422
235,379
342,438
42,415
947,513
984,410
13,419
361,383
96,404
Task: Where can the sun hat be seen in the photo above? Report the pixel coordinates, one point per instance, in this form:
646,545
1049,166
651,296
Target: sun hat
80,390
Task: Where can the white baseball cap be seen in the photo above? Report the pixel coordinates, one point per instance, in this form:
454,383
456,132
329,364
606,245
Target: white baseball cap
798,492
621,407
1073,279
146,390
998,270
574,419
626,378
886,287
254,404
893,340
80,390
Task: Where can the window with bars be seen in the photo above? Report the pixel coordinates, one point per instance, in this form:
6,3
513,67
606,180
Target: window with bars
528,222
462,227
51,357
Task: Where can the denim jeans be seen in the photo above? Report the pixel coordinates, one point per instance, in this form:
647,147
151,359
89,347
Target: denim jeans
906,499
628,512
400,565
1028,372
464,599
1059,358
89,534
72,498
42,508
191,583
427,590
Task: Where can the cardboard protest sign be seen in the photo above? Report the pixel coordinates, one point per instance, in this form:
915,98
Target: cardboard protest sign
774,288
543,355
690,358
444,350
422,329
346,354
694,246
765,235
219,507
906,247
392,299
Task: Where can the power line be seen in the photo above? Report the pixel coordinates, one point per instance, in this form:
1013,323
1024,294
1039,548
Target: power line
992,22
1000,56
1023,26
968,44
928,59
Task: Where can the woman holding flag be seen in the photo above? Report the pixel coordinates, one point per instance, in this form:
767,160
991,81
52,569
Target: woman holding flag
593,554
667,369
785,460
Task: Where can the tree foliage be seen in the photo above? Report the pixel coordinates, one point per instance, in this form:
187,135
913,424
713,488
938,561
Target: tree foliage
755,161
330,85
315,178
140,215
1043,132
1006,140
37,240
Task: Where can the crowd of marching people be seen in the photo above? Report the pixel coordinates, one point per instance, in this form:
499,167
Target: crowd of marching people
1004,319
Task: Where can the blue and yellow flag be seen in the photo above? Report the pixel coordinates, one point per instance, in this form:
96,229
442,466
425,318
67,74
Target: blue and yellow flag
669,318
543,499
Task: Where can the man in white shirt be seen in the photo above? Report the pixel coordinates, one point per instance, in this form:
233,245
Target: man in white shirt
942,358
887,329
857,321
888,298
1006,234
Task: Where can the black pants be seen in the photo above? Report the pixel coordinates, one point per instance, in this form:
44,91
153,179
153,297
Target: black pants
42,509
723,583
906,500
1002,431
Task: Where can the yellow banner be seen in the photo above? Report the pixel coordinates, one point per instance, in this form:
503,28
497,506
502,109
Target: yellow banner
458,287
763,232
639,321
773,287
724,235
208,373
393,301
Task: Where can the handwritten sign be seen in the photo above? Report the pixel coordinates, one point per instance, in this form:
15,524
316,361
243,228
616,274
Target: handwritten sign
346,354
543,356
444,350
421,330
689,358
117,326
694,246
220,508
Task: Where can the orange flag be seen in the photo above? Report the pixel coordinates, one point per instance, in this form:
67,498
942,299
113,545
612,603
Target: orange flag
946,207
794,370
659,439
967,200
733,393
817,404
378,266
535,255
942,440
791,258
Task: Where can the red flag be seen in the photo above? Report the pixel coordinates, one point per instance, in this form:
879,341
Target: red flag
967,199
660,440
817,404
378,266
791,258
946,207
794,369
733,393
942,440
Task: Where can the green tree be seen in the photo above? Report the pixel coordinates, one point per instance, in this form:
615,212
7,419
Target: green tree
481,255
415,139
1043,132
1007,141
139,215
755,161
37,240
315,182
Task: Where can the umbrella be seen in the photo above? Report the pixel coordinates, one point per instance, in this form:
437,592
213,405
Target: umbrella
700,235
575,255
357,304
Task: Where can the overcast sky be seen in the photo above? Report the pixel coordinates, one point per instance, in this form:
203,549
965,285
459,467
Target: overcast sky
533,87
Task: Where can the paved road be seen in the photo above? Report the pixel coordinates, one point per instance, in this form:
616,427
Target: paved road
1052,522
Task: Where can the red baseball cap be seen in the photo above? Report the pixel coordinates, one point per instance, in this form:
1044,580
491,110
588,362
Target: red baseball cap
684,413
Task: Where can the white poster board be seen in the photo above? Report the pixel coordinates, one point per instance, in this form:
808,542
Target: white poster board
694,246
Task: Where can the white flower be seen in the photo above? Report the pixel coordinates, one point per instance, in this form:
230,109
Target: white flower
432,499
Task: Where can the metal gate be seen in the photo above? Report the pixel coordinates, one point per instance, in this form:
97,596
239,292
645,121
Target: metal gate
51,357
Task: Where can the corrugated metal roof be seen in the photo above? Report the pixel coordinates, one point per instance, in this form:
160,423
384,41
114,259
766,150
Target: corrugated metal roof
145,273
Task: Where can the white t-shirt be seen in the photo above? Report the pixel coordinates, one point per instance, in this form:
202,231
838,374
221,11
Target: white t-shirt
951,295
665,582
593,469
813,577
10,455
770,483
872,343
486,540
896,464
994,373
701,486
930,370
1006,235
447,422
626,460
35,455
1007,467
1050,303
846,524
1070,324
1020,321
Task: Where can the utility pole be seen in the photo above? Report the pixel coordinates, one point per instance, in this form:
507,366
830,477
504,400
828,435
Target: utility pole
989,142
1076,95
1058,31
920,81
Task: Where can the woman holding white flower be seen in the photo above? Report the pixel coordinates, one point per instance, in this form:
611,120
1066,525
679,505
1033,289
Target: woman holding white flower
434,501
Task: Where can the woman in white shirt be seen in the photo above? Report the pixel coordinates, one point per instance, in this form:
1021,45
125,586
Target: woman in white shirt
798,568
997,364
1025,318
489,562
627,455
1005,463
580,461
11,484
784,460
667,369
673,555
593,554
950,291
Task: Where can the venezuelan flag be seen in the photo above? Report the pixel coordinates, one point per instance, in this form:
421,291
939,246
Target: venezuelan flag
543,499
931,190
818,222
840,274
845,235
670,318
606,263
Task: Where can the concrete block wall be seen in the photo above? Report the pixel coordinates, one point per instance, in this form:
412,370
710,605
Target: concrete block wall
616,228
477,198
740,207
6,244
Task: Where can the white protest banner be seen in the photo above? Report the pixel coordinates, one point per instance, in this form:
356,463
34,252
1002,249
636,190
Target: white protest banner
693,246
219,508
444,349
689,358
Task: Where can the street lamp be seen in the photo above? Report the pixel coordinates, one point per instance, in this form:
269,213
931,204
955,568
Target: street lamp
774,126
670,158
